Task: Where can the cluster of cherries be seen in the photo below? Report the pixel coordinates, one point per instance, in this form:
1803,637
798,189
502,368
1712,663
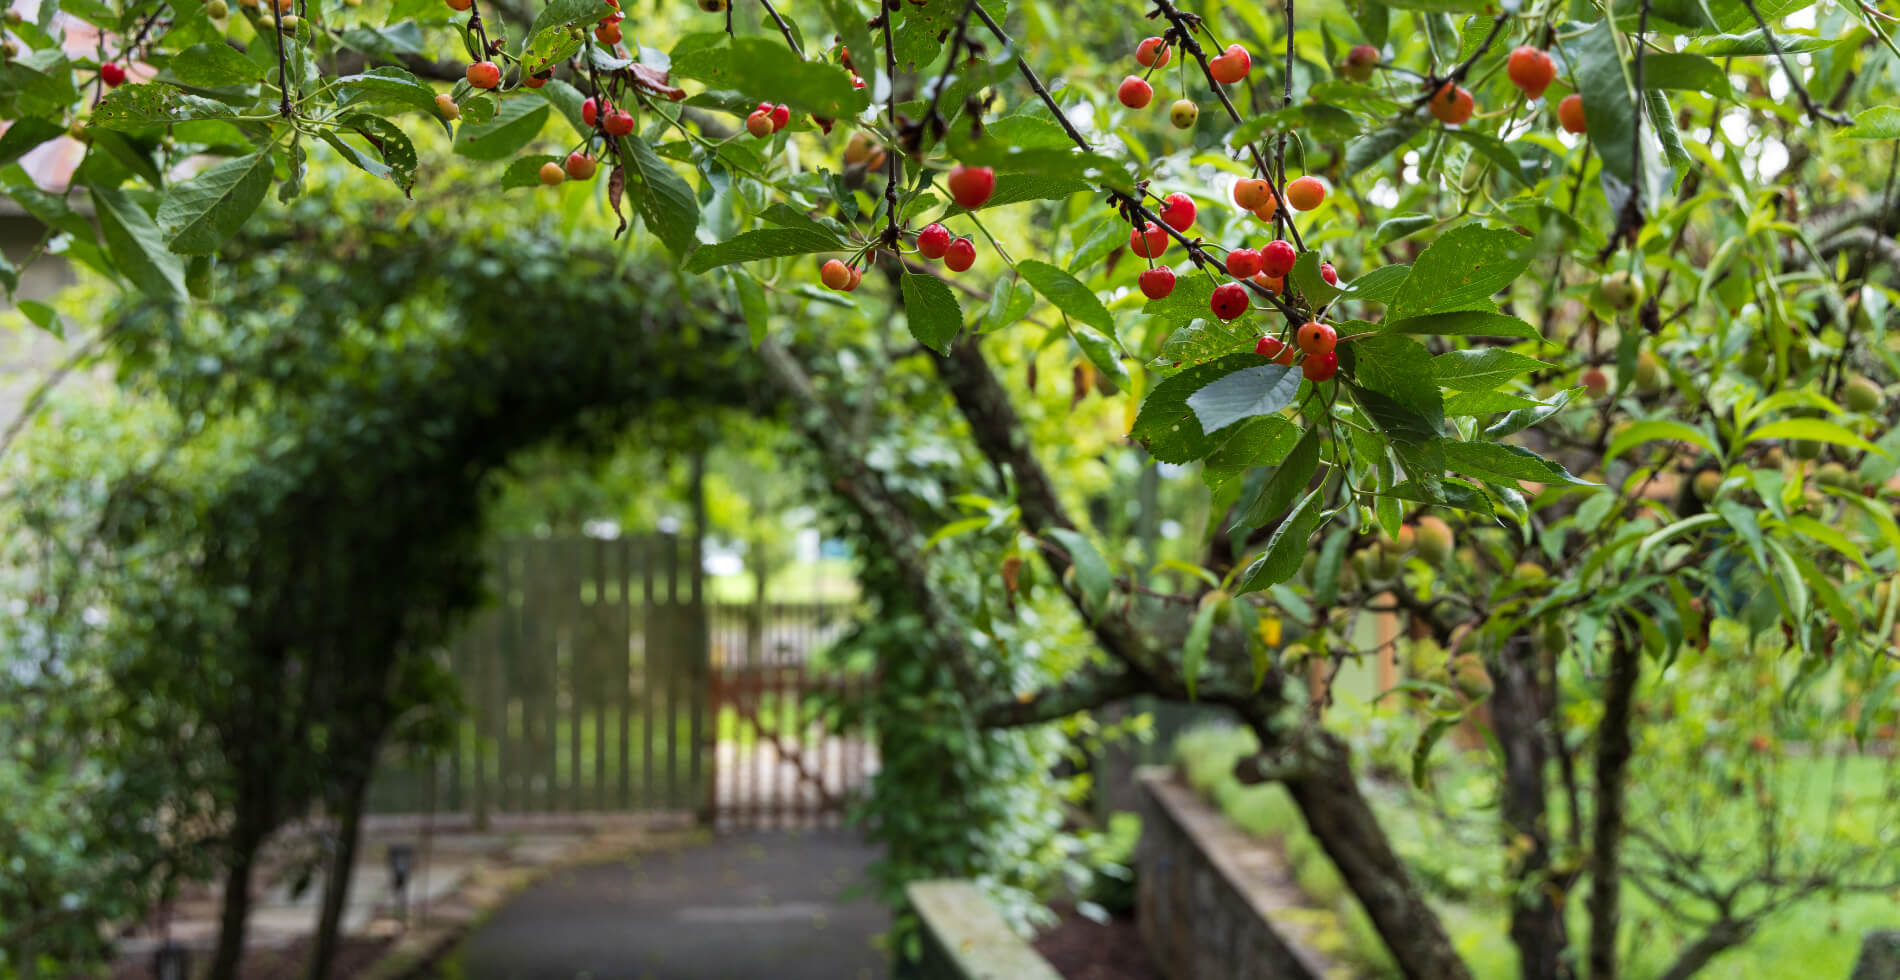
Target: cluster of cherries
970,187
1153,53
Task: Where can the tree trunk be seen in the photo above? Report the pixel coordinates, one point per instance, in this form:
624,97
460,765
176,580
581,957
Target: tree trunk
1342,820
1606,839
336,880
1721,936
236,906
1519,714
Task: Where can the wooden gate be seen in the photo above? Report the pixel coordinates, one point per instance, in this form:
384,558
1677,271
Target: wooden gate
792,749
583,688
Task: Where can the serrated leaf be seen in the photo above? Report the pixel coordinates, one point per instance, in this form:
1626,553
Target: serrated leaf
1286,548
1882,122
1399,371
1494,150
765,243
1608,105
1461,271
1244,394
1481,369
1286,484
132,107
568,100
1260,442
1400,226
526,171
1101,352
1652,430
1814,430
559,15
137,248
932,311
517,121
387,85
1377,145
214,66
1307,279
766,70
1067,293
1500,463
1523,419
24,135
1463,323
1684,72
1753,44
1167,426
667,203
1380,285
1487,403
199,215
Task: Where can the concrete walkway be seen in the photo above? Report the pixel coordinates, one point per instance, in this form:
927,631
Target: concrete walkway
755,906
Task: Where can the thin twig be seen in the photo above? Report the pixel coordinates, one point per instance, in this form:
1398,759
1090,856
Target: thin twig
1460,70
1839,368
783,28
1794,78
891,231
934,125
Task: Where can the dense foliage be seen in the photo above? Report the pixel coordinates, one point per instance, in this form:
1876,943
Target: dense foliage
1564,327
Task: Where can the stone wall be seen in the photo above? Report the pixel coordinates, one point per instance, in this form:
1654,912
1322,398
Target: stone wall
1208,893
965,938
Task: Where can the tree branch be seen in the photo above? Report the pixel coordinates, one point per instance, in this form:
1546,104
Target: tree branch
1090,688
1606,840
1801,91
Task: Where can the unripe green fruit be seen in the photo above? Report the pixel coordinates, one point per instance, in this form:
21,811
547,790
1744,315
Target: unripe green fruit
77,130
1424,657
1531,571
1621,291
1800,359
1183,114
290,23
1472,680
1707,484
9,50
1833,475
1755,363
1386,565
1293,656
14,18
1863,395
1804,449
1348,579
217,9
1650,375
1435,540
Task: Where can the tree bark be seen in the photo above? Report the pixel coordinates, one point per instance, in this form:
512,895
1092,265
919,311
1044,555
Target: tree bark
1343,822
236,903
336,880
1518,711
1723,935
1613,756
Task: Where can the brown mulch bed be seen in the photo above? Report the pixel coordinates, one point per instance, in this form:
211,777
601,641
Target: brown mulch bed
353,958
1083,949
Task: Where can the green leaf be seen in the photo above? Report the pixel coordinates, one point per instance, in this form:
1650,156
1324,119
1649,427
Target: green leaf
752,303
516,122
1405,426
1194,647
1487,403
1398,371
1463,323
1608,105
1653,430
1684,72
932,311
1400,226
24,135
1500,463
1313,286
1244,394
1495,150
568,100
1286,548
1167,426
135,107
668,205
1009,303
765,69
848,19
1263,441
199,215
1882,122
1380,285
1101,352
550,48
1067,293
1377,145
559,15
1092,576
1461,271
136,246
387,85
1286,484
1325,123
1481,369
526,171
765,243
1753,44
1814,430
214,66
1829,536
1523,419
1017,188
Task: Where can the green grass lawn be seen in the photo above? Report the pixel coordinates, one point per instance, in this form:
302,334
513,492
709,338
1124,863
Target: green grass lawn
1461,865
824,580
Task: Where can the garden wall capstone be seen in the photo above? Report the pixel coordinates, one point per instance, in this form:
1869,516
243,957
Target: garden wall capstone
1207,892
965,938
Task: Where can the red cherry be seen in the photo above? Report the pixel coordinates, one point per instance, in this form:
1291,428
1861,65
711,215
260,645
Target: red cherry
857,276
1272,347
781,116
933,241
1360,61
1570,114
1276,260
1230,66
608,32
112,73
619,122
1531,70
1135,93
1157,282
1229,301
1272,284
759,124
1321,368
1243,262
835,275
535,81
961,256
1148,241
551,173
484,74
1452,104
1326,272
1153,53
971,186
1316,338
580,166
590,111
1177,211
